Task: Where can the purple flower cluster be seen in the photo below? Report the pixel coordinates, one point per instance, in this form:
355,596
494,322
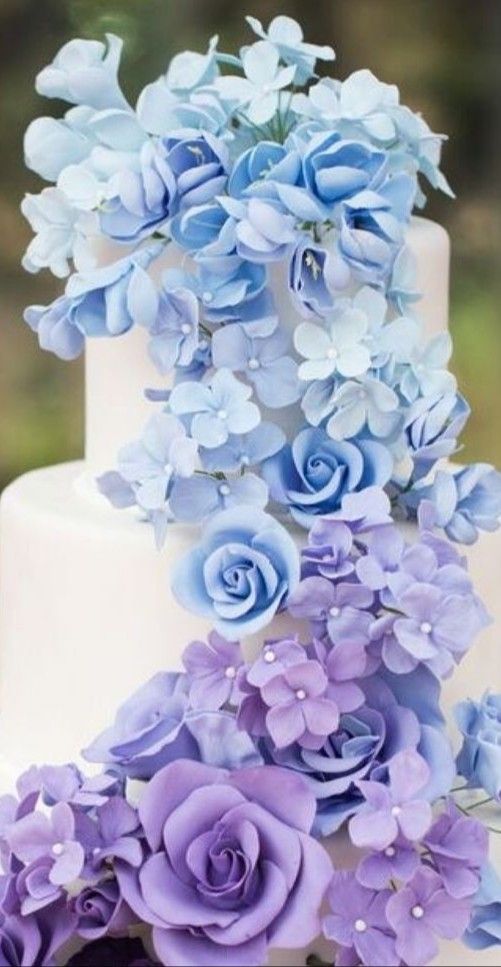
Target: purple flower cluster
408,894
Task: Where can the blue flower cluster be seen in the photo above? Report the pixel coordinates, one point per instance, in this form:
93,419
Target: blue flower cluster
295,365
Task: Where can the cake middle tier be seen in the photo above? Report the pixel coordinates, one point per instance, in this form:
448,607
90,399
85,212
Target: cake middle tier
87,614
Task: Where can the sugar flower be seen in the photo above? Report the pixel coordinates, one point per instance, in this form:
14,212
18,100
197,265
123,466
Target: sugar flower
244,450
61,230
479,759
367,402
85,72
328,552
100,909
194,817
220,408
196,498
337,348
397,862
393,810
258,91
299,710
312,476
422,911
464,502
213,668
175,330
263,360
459,847
484,928
35,939
240,573
287,36
357,919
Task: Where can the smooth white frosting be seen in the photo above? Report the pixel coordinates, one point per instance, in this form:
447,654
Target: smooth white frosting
118,370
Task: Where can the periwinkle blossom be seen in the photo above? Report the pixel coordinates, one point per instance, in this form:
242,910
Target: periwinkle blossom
372,228
459,847
427,374
174,333
213,669
218,408
113,832
106,301
287,37
244,450
299,710
395,809
420,912
276,656
341,610
357,919
316,275
35,939
337,347
263,360
396,862
198,497
463,502
52,855
257,94
85,72
436,628
361,403
335,170
328,552
484,928
265,233
432,427
313,475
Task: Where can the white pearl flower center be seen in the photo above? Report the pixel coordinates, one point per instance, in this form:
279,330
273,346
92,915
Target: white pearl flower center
224,490
332,353
390,851
58,849
231,672
222,414
360,926
426,627
417,912
186,328
335,611
207,296
396,811
301,694
254,363
269,656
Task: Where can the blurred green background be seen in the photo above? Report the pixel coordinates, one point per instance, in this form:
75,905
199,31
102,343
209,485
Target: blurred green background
443,54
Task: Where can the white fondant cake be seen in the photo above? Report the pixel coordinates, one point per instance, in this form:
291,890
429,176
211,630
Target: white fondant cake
86,609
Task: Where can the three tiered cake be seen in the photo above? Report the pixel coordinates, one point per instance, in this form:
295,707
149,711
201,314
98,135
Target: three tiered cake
265,530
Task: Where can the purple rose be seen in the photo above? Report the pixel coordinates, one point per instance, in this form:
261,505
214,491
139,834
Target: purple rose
125,951
233,869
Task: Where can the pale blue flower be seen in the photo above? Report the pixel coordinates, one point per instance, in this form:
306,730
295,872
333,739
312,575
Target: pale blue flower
338,347
161,111
462,502
103,302
335,170
231,294
61,232
265,232
263,360
140,201
402,286
258,91
479,760
151,464
51,144
85,72
427,374
372,229
432,427
200,496
240,573
361,102
190,69
244,451
287,36
367,402
175,331
206,229
484,929
220,407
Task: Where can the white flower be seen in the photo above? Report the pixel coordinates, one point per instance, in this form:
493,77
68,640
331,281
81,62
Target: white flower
286,35
61,232
259,90
339,348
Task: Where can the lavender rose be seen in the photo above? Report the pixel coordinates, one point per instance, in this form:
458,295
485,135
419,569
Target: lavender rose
233,869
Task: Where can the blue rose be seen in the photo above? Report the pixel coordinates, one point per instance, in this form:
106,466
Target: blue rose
240,573
484,929
479,760
154,727
104,302
313,475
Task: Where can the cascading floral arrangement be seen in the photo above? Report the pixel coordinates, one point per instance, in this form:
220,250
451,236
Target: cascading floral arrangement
296,380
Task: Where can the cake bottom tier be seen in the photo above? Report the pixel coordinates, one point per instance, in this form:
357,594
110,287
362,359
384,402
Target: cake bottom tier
87,615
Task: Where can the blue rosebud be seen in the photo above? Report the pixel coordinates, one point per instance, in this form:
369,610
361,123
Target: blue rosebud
240,573
312,476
